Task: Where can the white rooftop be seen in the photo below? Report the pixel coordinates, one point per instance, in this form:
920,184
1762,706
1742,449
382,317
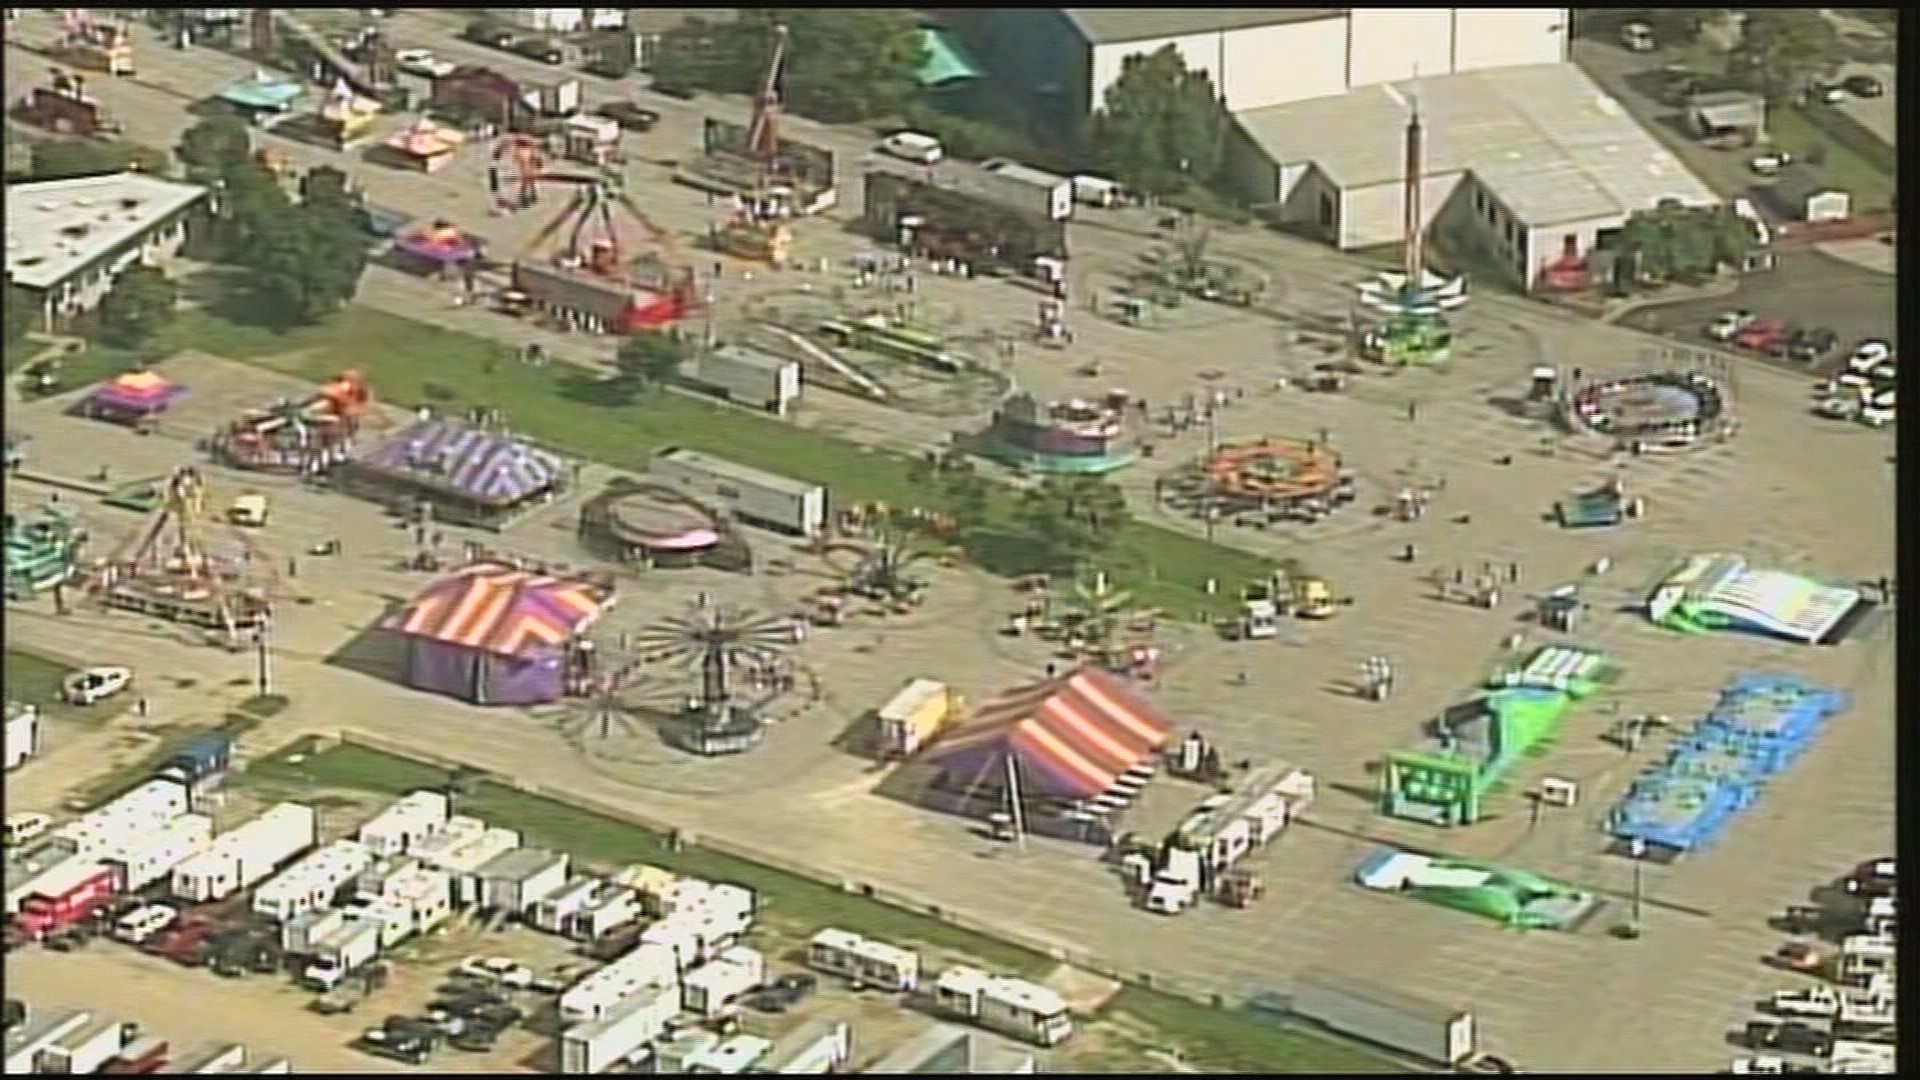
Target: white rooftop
56,228
1543,137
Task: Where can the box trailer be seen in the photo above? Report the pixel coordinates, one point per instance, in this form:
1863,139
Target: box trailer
1028,188
911,717
313,882
23,734
814,1049
675,896
596,1046
1442,1034
302,934
85,1050
154,857
755,496
729,903
417,816
642,967
749,377
1016,1007
29,873
865,961
709,989
140,1057
140,811
551,914
248,854
39,1032
519,879
226,1057
68,899
610,910
345,949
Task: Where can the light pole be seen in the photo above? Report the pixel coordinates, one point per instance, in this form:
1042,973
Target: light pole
1637,848
262,673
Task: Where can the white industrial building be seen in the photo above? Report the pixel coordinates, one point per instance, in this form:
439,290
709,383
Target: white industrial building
1065,58
1536,160
67,240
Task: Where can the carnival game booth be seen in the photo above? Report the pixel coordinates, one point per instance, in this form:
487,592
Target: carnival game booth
1067,755
1722,592
306,437
438,247
468,474
491,634
425,145
134,398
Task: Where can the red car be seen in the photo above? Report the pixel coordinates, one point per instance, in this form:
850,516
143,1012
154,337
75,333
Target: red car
1762,335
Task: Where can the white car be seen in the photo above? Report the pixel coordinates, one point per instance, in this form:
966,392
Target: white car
422,62
498,969
95,684
1769,163
913,146
1760,1065
24,829
1728,324
1869,354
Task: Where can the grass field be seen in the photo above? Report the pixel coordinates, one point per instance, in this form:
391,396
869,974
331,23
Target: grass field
574,410
1212,1039
32,679
1871,186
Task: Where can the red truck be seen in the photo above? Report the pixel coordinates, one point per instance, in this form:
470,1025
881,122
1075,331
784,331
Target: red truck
67,903
148,1055
182,943
1761,335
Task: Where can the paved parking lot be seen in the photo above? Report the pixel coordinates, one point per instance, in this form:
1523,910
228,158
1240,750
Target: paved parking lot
1807,289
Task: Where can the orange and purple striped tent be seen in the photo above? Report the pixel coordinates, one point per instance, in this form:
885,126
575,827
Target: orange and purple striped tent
494,608
1074,736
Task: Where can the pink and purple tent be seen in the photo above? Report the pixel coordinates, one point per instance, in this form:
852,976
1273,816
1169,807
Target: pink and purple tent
132,396
442,244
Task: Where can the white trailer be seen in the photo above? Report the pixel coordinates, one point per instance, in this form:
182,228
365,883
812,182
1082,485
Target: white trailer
153,857
730,1058
345,949
224,1058
814,1049
519,879
551,914
23,734
40,1031
709,989
864,960
459,831
248,854
683,935
313,882
1227,827
86,1050
273,1065
140,811
756,496
1037,189
641,968
465,860
417,816
1428,1030
750,377
596,1046
1016,1007
609,911
302,934
677,896
418,907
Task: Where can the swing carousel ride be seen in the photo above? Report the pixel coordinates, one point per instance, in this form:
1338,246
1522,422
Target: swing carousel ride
723,644
593,279
305,437
1094,623
1402,317
166,569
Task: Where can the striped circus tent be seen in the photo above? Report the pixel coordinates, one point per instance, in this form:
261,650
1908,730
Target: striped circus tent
1071,738
495,635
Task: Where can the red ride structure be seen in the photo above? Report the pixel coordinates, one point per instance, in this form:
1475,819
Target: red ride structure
305,437
593,280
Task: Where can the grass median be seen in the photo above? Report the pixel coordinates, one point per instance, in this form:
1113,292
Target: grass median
574,410
1211,1039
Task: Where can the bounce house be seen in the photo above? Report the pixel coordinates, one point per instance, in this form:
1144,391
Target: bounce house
1516,898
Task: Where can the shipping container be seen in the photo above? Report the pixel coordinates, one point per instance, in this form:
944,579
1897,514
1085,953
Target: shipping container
630,1024
39,1032
707,990
86,1050
1438,1033
153,857
551,914
754,495
313,882
645,967
415,817
819,1047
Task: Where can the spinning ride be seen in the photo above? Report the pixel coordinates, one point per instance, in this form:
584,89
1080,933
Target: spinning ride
441,245
304,437
1667,410
654,525
1073,436
719,642
1406,312
41,551
591,278
165,570
1271,473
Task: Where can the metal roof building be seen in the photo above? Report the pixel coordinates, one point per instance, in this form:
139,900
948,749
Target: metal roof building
67,240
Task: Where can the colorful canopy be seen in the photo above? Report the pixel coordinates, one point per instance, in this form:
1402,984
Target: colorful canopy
424,138
1073,736
262,90
494,608
441,242
137,392
483,466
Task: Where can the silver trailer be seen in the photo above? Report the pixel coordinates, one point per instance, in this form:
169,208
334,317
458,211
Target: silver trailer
1030,188
763,498
1441,1034
749,377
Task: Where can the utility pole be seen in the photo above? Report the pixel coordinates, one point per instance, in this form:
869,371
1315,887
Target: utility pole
1212,511
262,675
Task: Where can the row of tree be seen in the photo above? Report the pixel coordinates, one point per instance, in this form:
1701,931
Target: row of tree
1676,242
844,66
1064,523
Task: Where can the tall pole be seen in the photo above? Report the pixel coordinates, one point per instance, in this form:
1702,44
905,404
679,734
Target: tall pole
262,673
1412,233
1212,510
1014,812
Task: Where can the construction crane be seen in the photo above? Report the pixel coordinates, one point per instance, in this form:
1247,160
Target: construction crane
763,130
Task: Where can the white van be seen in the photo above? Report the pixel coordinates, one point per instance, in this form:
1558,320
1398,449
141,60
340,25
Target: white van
1096,191
23,829
1638,37
913,146
142,923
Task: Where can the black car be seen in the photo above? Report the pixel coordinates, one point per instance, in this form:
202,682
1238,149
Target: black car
1810,346
1793,1037
1863,86
543,50
629,116
490,34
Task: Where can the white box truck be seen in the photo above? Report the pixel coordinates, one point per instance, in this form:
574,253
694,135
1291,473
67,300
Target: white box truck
1016,1007
596,1046
345,949
86,1050
153,857
1441,1034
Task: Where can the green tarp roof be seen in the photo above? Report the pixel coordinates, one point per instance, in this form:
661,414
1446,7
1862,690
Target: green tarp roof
946,61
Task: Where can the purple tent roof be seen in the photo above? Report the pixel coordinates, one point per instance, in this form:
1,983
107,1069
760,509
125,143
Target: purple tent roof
485,466
135,392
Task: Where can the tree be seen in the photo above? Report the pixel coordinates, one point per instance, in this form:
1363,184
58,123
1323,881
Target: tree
651,358
1673,240
306,266
214,143
842,65
1783,51
21,310
65,160
1162,127
1073,518
325,190
139,306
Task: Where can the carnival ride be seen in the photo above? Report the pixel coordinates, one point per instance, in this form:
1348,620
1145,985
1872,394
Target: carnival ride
527,161
345,116
592,273
1075,436
64,107
1402,317
166,570
1657,411
136,398
757,228
1094,622
879,569
718,642
425,145
1516,898
304,437
1722,592
440,245
771,177
656,525
103,46
1273,474
42,551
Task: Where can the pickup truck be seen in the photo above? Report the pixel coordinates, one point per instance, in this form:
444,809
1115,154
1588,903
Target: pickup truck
1813,1003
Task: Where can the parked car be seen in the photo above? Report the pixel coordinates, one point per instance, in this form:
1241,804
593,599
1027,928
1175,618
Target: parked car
1873,878
95,684
545,50
1827,93
913,146
1792,1036
1761,335
1813,346
1863,86
1729,323
1869,354
498,969
1769,163
629,116
24,829
422,62
491,34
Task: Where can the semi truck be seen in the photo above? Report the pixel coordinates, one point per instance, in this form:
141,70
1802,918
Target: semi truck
246,856
1441,1034
595,1046
67,900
